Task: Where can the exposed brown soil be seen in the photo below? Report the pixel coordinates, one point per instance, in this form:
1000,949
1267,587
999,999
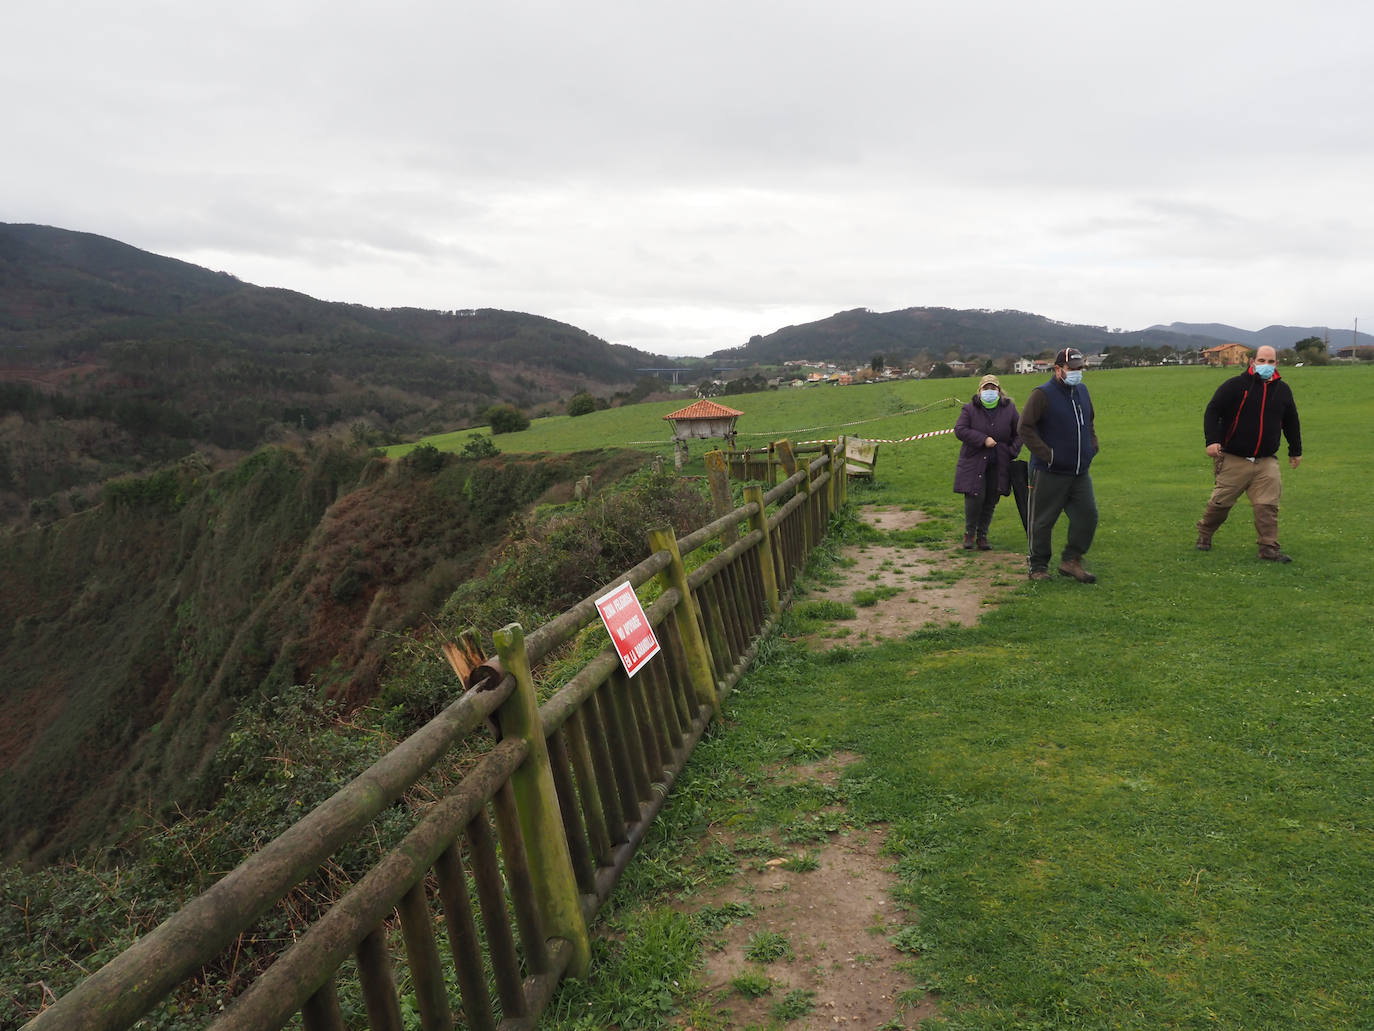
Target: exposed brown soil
836,920
935,585
839,917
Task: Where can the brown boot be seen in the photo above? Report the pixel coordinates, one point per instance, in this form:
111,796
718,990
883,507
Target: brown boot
1213,517
1267,532
1074,567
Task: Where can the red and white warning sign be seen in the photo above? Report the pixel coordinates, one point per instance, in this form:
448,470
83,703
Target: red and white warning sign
628,626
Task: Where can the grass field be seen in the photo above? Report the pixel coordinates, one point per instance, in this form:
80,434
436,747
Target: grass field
1144,803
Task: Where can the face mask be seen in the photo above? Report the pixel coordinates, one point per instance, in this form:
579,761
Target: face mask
1264,371
1073,377
989,398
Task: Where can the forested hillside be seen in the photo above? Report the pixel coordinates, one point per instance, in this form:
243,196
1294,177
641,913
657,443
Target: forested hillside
114,360
935,334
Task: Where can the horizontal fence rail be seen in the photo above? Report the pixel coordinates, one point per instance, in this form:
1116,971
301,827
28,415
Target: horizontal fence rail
484,905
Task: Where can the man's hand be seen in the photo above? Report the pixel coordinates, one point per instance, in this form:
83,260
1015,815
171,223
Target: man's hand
1293,461
1214,450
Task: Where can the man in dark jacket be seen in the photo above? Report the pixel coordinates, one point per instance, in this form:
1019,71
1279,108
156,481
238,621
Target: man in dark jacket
1057,426
1242,424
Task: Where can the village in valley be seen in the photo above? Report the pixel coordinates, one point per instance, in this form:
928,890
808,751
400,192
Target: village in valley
800,373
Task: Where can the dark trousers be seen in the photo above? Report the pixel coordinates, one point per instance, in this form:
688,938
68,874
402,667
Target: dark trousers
978,509
1051,494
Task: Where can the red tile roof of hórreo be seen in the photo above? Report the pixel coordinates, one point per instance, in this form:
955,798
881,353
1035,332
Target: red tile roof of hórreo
703,410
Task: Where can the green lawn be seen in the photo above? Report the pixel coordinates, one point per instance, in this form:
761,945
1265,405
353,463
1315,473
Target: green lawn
883,410
1144,803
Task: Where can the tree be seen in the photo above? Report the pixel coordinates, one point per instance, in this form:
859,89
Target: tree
506,418
876,364
709,388
479,446
1312,351
581,404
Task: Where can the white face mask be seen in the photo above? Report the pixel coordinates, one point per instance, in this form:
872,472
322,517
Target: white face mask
1264,370
989,397
1073,377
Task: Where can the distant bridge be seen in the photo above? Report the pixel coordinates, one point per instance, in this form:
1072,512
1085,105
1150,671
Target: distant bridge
672,374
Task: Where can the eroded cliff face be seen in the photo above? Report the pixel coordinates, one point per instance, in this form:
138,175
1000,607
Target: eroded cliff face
130,633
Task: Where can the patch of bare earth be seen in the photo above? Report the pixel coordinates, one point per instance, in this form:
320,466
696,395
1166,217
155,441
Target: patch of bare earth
916,587
837,915
833,914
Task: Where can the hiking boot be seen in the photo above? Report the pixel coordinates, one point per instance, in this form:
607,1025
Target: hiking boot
1074,567
983,544
968,542
1267,530
1212,518
1039,574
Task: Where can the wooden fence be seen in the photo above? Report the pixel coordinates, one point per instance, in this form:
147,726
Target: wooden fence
771,462
514,863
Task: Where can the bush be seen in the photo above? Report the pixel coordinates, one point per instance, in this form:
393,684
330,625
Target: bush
506,419
553,563
581,404
479,446
425,459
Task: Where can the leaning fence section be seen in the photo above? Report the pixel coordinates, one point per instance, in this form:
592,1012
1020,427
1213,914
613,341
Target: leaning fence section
481,909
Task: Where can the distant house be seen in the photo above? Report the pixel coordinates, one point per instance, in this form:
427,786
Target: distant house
1024,367
1226,354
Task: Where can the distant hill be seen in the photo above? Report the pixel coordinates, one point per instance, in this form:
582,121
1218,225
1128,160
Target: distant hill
1277,337
117,360
934,334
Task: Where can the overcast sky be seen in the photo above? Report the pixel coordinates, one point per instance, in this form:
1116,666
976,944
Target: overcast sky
679,177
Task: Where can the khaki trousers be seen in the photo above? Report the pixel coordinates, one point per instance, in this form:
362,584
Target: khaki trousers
1261,482
1236,476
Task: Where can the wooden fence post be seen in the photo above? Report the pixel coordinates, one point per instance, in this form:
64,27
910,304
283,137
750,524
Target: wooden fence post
753,494
541,822
718,475
783,450
790,465
699,665
844,473
831,485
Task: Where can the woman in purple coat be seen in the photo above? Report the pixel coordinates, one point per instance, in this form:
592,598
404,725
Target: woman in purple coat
987,428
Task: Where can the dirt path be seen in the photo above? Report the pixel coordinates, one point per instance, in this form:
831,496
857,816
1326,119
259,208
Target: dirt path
829,912
916,587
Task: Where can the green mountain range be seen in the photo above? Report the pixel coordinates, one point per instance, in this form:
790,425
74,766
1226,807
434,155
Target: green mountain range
114,360
923,335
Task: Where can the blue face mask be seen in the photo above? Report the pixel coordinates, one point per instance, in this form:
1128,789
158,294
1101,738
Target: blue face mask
1073,377
989,398
1264,371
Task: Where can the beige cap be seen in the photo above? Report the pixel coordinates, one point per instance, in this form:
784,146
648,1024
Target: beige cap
987,380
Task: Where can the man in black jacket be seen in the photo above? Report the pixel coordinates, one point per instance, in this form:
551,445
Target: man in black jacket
1057,426
1242,424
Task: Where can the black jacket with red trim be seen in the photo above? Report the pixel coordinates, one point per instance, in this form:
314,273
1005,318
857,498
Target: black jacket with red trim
1247,413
